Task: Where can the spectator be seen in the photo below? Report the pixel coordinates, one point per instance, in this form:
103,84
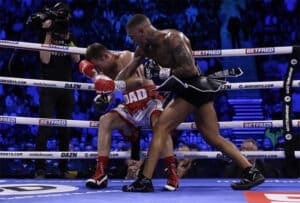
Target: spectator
133,167
234,27
183,165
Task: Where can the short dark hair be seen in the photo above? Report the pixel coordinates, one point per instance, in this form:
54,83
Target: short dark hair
95,51
136,20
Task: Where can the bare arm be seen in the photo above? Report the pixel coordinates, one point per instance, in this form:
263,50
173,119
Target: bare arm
131,68
182,54
46,55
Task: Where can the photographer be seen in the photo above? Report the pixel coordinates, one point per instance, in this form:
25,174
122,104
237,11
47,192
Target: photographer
55,66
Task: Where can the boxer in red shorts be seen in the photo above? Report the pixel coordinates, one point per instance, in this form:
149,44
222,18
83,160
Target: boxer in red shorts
141,108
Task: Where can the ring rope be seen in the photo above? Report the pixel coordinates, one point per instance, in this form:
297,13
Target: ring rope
258,51
95,124
90,86
49,83
199,53
143,154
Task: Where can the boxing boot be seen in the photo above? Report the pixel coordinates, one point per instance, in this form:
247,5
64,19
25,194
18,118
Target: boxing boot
99,179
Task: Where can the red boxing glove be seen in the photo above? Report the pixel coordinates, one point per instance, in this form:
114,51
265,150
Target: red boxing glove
104,84
87,68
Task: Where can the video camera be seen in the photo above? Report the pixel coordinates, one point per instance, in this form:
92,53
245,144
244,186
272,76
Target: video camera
59,15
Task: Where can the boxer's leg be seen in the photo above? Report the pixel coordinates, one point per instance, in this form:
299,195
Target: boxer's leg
170,118
207,123
107,124
168,158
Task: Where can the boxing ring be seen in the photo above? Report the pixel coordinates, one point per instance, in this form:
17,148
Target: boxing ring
199,190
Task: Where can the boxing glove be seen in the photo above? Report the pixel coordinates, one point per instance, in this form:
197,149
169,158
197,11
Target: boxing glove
102,102
153,71
105,85
87,68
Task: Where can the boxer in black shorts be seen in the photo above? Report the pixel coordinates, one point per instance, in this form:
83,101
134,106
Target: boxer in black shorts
194,95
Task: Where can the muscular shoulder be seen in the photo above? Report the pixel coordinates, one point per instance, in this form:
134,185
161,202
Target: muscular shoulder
174,37
126,56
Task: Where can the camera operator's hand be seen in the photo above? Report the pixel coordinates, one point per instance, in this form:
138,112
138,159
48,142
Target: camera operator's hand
47,24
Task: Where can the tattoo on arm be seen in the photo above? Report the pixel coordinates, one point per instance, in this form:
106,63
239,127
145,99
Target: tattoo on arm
183,58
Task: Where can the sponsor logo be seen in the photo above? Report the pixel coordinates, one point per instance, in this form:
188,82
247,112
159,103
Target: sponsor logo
265,50
114,154
260,156
288,80
13,82
269,197
11,154
94,124
40,154
191,155
6,119
93,155
31,189
42,84
72,86
52,46
53,122
287,117
8,42
216,52
136,95
226,87
69,154
255,86
257,124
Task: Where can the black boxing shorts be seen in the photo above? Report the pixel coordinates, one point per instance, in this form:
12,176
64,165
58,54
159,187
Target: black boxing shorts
194,96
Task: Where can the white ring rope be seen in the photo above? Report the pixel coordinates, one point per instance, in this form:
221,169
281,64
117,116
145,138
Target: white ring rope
90,86
48,83
258,51
126,154
94,124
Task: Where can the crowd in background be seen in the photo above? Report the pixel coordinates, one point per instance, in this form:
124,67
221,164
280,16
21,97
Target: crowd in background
260,23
